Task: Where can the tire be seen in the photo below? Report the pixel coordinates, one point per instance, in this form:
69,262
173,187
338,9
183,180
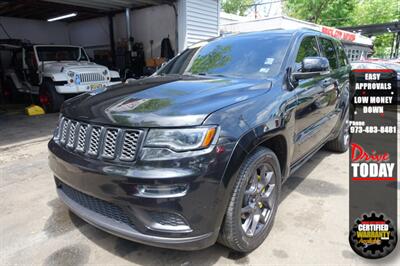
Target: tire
234,233
49,98
342,141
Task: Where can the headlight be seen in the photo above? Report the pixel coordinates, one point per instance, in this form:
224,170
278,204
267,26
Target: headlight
182,139
105,72
71,74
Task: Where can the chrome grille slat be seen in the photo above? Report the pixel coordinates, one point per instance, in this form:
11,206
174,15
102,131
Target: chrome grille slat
64,130
71,134
58,129
110,143
128,150
91,77
94,140
81,141
98,141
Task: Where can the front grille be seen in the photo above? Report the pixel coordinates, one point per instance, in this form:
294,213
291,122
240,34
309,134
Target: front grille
91,77
98,141
81,141
129,146
64,131
71,137
110,143
94,140
96,205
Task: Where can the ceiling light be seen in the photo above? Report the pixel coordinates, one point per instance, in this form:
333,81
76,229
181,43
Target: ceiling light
62,17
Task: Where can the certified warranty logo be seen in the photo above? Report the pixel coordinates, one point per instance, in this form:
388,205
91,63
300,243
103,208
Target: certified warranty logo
373,237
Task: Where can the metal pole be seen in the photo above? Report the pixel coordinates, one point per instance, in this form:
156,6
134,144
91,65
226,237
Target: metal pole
128,28
112,41
396,51
392,46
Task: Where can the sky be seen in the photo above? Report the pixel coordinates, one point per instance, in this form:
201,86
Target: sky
266,8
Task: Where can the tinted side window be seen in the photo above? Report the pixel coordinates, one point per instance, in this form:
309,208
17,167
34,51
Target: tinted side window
328,50
342,56
308,47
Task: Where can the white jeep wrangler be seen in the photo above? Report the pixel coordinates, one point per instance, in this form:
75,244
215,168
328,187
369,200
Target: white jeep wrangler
54,73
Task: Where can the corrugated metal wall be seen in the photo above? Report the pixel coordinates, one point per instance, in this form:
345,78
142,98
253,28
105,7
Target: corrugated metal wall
202,20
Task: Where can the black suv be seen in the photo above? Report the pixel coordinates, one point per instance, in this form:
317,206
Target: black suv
199,151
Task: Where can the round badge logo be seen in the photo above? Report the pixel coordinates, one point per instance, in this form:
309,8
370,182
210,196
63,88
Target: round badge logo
373,236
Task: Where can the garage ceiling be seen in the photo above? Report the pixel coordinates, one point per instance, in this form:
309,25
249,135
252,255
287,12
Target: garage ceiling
44,9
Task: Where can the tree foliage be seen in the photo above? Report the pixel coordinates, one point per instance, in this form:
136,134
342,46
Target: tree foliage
340,13
237,7
326,12
217,58
378,11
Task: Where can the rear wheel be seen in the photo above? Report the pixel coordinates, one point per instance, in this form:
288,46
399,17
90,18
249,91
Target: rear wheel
342,141
49,98
254,202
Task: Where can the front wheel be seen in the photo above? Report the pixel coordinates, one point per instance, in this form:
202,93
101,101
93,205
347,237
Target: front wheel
254,202
49,98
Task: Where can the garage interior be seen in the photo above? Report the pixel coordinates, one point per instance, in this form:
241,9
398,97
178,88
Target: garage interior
123,35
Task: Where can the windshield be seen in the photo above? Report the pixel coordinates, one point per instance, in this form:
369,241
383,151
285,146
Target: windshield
61,53
244,56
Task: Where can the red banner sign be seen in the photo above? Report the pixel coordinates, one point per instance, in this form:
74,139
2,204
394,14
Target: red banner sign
339,34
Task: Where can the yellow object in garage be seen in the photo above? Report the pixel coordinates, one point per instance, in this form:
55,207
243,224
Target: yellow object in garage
34,110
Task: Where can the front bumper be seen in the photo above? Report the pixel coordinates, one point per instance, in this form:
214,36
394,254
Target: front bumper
125,231
73,88
99,192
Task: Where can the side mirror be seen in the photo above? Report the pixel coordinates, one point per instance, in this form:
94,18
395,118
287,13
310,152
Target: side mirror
312,67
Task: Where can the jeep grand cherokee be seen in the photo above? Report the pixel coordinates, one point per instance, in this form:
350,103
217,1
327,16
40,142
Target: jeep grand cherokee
199,151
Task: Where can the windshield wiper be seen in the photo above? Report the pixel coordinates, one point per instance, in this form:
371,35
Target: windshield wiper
208,74
191,74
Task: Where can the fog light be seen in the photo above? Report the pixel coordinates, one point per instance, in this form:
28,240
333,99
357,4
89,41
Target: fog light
161,191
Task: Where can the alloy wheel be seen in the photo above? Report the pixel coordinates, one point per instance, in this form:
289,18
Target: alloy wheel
259,200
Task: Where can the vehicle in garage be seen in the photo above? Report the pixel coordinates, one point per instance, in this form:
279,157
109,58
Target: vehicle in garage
52,72
199,151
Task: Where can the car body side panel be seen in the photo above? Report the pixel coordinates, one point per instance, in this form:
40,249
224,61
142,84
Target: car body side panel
315,113
274,113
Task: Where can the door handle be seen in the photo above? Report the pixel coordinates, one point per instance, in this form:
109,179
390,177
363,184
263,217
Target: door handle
326,83
337,87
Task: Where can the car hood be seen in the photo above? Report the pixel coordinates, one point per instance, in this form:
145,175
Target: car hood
78,67
168,101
